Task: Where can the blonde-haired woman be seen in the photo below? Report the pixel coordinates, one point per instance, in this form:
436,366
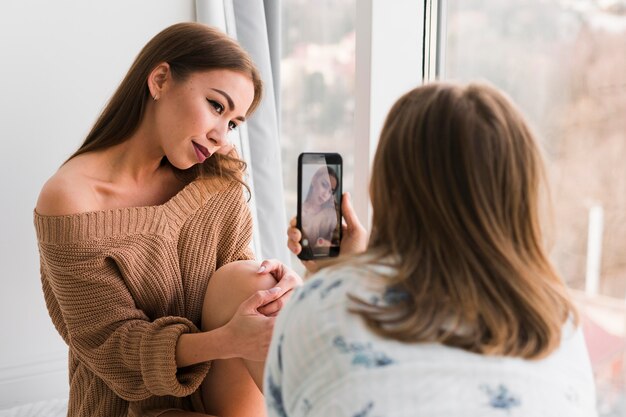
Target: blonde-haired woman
454,308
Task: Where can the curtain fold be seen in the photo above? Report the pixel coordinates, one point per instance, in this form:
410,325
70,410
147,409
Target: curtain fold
273,23
253,32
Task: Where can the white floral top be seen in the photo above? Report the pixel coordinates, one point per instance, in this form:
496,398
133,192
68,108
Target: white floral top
323,362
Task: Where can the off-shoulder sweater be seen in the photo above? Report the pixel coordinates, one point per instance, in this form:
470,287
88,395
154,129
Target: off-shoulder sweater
122,285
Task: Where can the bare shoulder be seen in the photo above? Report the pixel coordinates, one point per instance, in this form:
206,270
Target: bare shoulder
68,191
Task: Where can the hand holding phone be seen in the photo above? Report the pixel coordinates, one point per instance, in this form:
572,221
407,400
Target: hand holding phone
319,204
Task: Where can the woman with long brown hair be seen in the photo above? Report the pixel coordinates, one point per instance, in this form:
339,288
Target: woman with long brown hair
454,308
144,239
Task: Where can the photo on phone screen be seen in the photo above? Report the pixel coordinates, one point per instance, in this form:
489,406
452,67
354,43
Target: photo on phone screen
319,204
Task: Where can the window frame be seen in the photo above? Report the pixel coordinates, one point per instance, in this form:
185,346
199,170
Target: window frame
384,73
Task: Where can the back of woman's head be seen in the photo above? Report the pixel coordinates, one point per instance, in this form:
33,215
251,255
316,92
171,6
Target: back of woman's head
455,190
187,48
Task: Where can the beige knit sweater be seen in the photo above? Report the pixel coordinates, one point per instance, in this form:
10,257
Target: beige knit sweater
122,285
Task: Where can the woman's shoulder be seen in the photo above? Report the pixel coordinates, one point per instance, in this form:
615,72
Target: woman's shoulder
337,285
66,192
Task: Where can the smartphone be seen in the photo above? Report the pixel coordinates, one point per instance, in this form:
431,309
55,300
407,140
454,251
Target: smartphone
319,204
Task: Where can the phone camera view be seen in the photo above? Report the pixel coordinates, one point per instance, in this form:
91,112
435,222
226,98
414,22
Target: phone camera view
320,205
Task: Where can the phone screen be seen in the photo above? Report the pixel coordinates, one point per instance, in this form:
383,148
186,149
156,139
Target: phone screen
319,204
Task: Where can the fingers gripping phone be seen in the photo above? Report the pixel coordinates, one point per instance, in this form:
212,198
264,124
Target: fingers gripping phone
319,204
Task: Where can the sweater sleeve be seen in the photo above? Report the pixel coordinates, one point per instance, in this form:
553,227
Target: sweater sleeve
236,232
89,299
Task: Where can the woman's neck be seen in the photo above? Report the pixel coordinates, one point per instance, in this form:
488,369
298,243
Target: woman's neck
136,160
312,207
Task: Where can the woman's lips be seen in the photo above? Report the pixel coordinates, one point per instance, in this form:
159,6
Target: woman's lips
201,152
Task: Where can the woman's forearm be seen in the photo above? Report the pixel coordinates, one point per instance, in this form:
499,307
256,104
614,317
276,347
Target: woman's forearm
193,348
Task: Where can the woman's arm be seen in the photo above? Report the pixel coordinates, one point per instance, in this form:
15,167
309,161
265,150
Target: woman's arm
244,336
109,335
193,348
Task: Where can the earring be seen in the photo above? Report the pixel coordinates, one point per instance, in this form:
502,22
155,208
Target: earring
156,97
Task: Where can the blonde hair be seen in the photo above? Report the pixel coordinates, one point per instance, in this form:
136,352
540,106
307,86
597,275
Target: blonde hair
455,186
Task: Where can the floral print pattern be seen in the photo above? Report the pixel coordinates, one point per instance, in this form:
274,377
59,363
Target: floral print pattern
501,397
363,354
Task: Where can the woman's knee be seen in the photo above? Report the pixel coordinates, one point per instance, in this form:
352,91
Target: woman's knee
229,286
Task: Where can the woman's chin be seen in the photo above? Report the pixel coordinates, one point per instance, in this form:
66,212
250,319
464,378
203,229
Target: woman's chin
183,165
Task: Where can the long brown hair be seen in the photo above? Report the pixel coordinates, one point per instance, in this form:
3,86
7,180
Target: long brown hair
187,48
455,189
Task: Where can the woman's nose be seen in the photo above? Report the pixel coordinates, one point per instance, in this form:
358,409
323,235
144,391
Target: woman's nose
218,136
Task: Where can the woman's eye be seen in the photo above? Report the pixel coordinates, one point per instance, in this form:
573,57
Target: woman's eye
217,106
232,125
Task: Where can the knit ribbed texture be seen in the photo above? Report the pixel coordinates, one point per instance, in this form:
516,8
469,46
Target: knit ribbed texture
122,285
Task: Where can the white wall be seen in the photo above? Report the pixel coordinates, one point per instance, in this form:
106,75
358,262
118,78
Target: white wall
59,63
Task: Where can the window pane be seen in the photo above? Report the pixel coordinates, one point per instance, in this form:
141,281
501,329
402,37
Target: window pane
564,64
317,87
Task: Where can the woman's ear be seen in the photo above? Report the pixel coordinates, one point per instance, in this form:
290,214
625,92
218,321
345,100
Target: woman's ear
158,79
